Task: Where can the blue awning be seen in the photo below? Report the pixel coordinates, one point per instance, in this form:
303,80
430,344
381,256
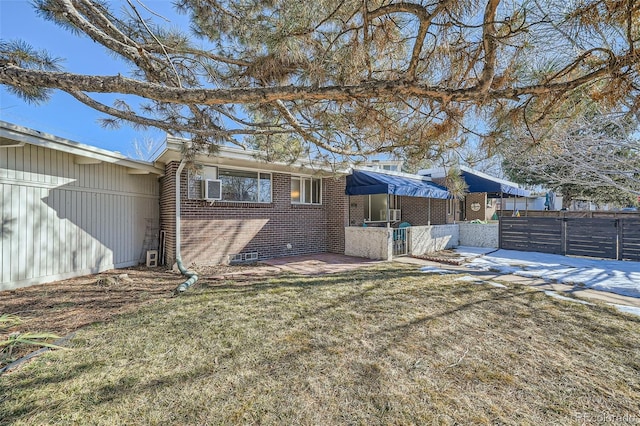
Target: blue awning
361,182
479,182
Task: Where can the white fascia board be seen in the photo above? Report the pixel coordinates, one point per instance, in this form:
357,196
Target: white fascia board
34,137
392,173
437,172
440,172
245,158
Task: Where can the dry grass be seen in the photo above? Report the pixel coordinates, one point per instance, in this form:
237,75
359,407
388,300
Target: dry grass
383,345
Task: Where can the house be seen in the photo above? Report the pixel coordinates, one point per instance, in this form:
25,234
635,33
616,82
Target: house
231,207
69,209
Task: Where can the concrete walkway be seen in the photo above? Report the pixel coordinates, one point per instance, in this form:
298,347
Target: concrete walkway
583,293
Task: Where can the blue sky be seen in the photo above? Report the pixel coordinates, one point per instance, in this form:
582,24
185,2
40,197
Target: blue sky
64,116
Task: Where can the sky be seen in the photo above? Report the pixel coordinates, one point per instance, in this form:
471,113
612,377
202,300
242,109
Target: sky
64,116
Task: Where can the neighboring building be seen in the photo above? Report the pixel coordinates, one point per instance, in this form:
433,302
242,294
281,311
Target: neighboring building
68,209
387,165
485,196
534,202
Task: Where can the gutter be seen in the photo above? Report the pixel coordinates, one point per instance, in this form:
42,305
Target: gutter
192,277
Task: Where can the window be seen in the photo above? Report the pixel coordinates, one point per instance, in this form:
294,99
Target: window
375,206
306,190
244,185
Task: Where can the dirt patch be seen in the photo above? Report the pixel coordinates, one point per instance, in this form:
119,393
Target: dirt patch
62,307
449,257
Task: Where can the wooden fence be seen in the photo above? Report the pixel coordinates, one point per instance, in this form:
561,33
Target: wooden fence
610,237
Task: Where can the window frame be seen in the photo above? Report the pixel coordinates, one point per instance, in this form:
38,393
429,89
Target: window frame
258,173
301,179
393,201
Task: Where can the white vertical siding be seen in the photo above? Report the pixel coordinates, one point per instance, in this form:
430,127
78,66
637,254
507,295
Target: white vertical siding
60,219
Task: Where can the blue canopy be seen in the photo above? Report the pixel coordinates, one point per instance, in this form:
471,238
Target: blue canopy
361,182
479,182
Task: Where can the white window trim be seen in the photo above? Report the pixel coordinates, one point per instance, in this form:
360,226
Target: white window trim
301,179
392,199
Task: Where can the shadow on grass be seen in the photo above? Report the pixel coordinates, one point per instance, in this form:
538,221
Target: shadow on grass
291,280
353,288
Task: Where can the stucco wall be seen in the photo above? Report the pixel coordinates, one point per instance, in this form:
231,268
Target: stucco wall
368,242
428,239
479,235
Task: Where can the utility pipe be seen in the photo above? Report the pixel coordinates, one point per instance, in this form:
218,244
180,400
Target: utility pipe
192,277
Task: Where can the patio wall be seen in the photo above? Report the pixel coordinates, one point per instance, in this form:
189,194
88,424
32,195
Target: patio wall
377,243
429,239
368,242
479,234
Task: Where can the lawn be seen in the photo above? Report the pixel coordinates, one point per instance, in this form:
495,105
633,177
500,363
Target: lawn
382,345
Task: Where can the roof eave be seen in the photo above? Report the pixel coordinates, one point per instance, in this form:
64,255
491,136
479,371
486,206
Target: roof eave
23,135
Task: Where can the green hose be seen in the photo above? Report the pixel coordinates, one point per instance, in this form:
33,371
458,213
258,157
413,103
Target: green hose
192,277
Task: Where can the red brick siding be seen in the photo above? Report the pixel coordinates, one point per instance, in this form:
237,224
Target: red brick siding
337,211
168,211
211,232
356,209
439,212
480,198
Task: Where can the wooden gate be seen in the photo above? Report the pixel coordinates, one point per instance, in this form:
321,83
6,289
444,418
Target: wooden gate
610,238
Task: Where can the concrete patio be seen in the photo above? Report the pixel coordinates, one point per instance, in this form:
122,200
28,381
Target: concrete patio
321,263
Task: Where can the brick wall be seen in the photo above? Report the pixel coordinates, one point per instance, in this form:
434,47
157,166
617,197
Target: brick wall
356,209
416,211
337,212
213,231
439,212
168,211
480,198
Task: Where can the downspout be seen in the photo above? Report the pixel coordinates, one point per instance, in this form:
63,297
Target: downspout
191,276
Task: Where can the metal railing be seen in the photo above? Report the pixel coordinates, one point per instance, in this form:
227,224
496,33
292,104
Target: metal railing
400,241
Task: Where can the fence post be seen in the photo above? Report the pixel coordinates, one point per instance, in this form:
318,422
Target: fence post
563,235
619,226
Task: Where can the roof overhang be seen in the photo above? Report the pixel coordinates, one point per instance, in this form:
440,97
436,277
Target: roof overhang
243,158
12,135
368,182
478,182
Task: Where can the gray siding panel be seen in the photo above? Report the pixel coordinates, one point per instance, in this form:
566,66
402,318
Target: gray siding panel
61,219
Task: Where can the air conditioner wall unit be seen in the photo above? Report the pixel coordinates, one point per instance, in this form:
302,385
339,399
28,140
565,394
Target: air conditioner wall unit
394,215
211,189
